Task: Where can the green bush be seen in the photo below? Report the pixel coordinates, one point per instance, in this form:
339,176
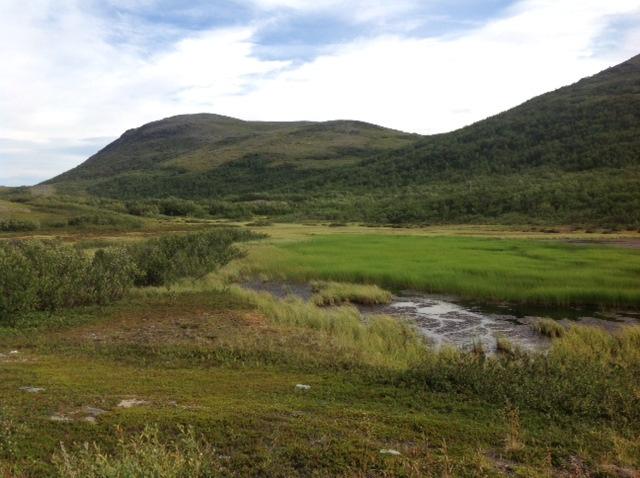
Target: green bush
180,207
164,260
143,208
48,275
104,220
37,275
18,225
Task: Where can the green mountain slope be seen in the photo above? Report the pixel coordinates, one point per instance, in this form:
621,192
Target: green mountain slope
569,156
199,143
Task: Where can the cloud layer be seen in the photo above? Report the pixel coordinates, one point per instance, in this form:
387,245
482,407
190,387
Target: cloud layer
78,75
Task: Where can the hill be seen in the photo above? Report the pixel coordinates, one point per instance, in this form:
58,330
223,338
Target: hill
570,156
203,142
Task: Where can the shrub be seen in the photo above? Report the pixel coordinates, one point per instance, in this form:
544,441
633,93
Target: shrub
37,275
111,274
142,208
164,260
18,225
48,275
180,207
104,220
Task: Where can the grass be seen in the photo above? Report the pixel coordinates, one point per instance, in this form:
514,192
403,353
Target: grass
538,272
381,341
226,362
336,293
218,365
141,455
548,327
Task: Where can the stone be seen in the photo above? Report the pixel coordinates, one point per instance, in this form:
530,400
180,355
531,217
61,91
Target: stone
59,418
92,411
32,389
385,451
301,386
131,402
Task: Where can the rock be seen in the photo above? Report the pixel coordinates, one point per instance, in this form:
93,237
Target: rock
92,411
131,402
301,386
59,418
13,352
90,419
32,389
385,451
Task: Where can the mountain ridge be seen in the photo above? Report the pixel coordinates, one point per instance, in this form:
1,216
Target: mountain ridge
570,155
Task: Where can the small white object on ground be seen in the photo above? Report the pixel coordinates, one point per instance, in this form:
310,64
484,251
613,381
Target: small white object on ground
89,419
93,411
59,418
301,386
13,352
32,389
131,402
390,452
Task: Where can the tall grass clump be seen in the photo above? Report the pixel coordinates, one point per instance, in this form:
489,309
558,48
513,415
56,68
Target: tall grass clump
47,275
587,372
166,259
549,328
379,340
336,293
144,455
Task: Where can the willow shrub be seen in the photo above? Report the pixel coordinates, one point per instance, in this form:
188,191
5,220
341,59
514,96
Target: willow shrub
164,260
46,275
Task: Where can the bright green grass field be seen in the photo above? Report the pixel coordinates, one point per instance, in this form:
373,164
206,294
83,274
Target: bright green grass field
541,272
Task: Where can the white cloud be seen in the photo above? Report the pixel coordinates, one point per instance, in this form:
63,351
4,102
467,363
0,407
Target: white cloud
64,79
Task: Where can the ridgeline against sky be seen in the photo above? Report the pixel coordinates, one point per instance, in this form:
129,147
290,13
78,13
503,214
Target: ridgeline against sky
76,74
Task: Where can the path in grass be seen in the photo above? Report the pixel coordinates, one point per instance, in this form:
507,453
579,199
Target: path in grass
545,272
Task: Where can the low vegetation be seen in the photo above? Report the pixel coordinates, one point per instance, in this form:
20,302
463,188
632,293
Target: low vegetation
48,275
587,372
490,269
18,225
336,293
142,455
549,328
166,259
36,275
275,387
380,341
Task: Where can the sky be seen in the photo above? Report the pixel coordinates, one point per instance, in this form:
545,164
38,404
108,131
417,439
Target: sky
75,74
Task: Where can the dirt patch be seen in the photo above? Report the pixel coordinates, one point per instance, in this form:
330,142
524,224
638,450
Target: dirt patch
180,325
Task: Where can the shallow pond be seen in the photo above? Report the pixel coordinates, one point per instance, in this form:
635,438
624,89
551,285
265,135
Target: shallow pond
450,321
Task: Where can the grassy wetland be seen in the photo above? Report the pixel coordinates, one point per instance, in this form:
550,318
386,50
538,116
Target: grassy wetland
177,370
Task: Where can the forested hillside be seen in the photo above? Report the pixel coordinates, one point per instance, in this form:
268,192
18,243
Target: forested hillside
570,156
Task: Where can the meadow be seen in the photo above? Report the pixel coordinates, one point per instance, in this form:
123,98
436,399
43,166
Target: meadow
223,381
549,272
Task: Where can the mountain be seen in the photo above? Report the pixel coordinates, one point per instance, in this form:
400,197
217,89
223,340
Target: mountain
203,142
569,156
